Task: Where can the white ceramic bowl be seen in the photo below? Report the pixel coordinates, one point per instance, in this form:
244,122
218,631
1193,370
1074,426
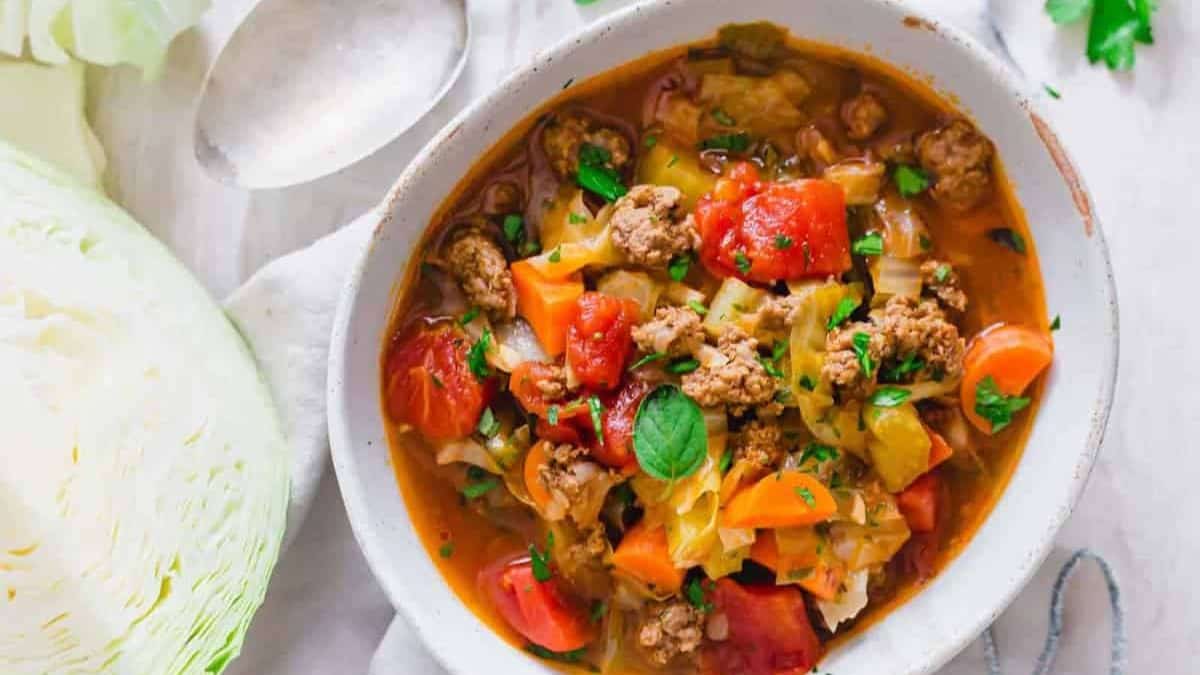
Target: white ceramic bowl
968,595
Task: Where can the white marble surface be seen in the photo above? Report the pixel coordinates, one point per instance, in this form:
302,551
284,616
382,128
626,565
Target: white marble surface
1135,139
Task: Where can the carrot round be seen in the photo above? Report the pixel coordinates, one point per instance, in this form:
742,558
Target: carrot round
782,499
534,461
547,304
812,572
1011,355
643,554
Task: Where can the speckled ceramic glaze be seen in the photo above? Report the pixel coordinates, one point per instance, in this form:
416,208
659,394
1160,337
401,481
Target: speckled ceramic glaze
956,606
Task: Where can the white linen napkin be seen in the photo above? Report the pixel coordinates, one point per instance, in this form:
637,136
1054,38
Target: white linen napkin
285,312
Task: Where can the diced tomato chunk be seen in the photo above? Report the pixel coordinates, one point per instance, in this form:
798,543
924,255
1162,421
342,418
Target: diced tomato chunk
919,503
769,631
774,232
599,339
523,383
620,408
537,610
430,386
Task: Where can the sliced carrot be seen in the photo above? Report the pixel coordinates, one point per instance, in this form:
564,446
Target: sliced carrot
818,577
1011,355
939,449
546,304
534,461
919,503
643,555
782,499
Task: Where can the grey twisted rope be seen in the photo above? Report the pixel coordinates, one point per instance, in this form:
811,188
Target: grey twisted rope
1045,660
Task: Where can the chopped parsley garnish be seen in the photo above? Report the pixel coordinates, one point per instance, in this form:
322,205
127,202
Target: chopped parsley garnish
552,415
739,142
488,424
722,117
799,574
769,366
477,355
726,462
481,488
783,242
678,268
910,180
862,342
530,248
514,228
673,161
1115,29
1054,93
806,382
683,367
595,175
649,358
599,609
818,452
624,493
1056,323
807,495
995,406
469,316
697,307
541,561
908,365
1008,238
695,595
925,242
890,397
596,408
941,273
576,219
870,243
779,349
556,254
446,550
573,656
437,381
844,309
650,141
742,262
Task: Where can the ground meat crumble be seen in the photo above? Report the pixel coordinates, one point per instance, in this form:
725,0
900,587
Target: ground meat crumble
674,331
863,115
668,629
960,159
474,259
738,380
941,280
760,443
563,137
651,226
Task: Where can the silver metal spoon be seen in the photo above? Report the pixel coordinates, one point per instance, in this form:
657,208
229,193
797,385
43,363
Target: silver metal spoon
304,88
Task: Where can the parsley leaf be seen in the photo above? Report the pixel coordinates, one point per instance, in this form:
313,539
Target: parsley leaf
682,367
769,366
573,656
477,490
726,462
909,365
695,595
673,161
869,244
941,273
861,342
594,155
844,309
599,609
651,141
1116,27
806,382
779,349
783,242
488,424
1056,323
742,262
890,397
1054,93
697,307
595,175
910,180
477,355
556,254
1008,238
722,117
596,408
541,561
677,269
818,453
995,406
739,142
807,495
552,415
576,219
469,316
446,550
1067,11
669,436
514,228
649,358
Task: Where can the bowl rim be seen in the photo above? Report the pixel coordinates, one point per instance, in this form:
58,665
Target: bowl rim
1001,74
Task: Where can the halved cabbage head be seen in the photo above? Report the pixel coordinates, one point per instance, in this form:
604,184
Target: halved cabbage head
143,470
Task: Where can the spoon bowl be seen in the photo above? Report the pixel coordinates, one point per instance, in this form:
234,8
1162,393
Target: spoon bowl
304,88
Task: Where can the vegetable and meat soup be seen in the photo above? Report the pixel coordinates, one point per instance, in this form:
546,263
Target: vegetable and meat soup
714,359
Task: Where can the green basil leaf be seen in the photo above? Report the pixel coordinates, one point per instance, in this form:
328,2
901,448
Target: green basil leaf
669,436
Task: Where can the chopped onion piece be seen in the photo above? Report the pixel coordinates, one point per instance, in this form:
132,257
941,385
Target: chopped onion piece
904,231
895,276
860,180
848,603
